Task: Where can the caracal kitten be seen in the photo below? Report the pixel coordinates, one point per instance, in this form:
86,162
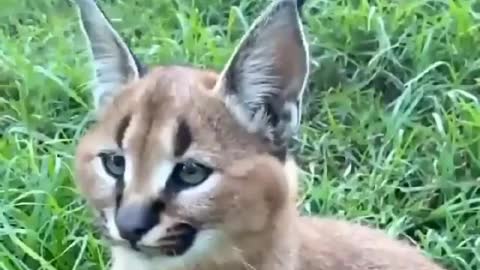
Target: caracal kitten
189,169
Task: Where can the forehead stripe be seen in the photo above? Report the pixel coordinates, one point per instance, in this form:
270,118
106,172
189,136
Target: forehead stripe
121,129
183,138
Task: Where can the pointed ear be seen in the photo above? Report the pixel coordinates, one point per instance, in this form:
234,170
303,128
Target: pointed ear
114,63
264,79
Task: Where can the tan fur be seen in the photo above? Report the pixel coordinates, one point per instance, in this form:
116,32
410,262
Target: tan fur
245,211
255,201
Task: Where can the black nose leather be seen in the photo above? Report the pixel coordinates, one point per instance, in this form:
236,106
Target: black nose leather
133,221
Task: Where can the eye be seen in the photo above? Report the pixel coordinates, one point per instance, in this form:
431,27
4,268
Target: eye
114,164
192,173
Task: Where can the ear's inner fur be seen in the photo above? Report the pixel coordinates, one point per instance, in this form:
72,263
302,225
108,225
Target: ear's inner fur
264,80
115,64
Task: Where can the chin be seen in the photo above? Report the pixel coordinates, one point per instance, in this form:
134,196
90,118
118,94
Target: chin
207,245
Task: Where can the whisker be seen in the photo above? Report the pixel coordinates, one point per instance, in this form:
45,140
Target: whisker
237,251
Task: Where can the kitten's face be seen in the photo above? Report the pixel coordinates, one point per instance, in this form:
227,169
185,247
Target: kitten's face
168,165
188,162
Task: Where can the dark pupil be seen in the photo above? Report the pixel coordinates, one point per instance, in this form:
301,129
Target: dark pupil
190,168
118,161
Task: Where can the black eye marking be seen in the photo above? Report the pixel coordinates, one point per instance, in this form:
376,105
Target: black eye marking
114,164
122,127
187,174
183,138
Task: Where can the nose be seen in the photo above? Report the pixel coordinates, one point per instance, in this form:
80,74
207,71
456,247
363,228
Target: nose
134,221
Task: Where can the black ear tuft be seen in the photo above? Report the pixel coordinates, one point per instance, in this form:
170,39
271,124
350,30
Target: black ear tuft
300,4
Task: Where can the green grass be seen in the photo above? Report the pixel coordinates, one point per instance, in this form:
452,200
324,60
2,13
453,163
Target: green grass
391,133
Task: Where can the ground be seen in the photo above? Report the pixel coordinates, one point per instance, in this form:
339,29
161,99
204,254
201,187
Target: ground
389,136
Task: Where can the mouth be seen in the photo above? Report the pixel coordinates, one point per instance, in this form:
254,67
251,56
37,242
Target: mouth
176,242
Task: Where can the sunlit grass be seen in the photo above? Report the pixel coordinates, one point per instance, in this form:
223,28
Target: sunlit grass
391,133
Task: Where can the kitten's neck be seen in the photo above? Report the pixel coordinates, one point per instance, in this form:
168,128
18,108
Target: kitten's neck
276,247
